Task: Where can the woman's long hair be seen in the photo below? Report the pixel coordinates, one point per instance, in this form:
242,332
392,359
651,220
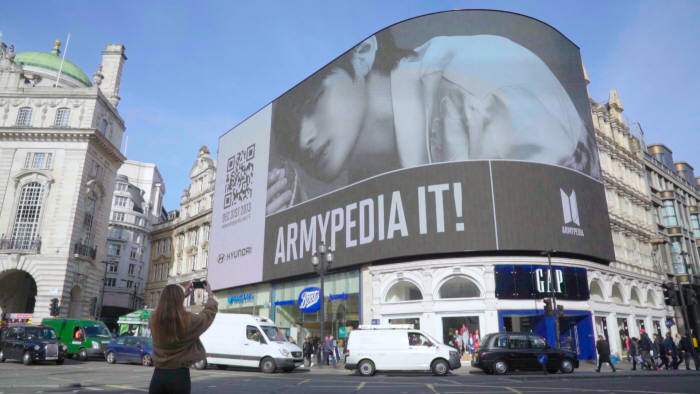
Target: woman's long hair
168,320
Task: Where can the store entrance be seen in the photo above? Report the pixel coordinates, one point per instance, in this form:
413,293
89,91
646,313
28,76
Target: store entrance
452,326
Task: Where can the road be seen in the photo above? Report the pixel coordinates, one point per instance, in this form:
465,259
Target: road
98,376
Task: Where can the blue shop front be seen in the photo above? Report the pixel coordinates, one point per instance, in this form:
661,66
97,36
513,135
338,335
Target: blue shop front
521,290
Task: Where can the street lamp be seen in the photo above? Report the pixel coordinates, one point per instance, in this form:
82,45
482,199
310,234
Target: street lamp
550,290
321,260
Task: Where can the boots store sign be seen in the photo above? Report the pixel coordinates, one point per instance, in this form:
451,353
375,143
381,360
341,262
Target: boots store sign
309,300
516,282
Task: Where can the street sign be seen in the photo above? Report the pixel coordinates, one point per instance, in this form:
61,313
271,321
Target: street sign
542,359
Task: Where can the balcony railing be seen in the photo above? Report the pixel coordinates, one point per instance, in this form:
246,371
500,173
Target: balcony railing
20,245
84,250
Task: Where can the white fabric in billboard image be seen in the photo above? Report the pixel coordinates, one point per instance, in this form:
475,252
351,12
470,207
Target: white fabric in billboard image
379,108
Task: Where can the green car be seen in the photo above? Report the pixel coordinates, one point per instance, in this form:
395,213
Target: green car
83,338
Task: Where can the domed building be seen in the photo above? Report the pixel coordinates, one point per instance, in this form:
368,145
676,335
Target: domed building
60,139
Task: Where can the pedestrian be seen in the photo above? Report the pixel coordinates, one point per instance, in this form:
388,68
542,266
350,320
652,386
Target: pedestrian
660,352
671,350
176,343
307,349
634,354
335,348
687,346
328,351
465,339
627,348
645,346
603,349
679,349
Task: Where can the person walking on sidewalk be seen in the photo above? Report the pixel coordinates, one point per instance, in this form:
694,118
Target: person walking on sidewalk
634,354
176,344
308,351
686,345
645,345
660,352
671,350
603,349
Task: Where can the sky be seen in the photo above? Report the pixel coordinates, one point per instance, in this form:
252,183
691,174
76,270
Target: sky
196,69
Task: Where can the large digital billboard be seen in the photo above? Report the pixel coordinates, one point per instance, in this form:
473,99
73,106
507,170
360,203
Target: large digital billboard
450,132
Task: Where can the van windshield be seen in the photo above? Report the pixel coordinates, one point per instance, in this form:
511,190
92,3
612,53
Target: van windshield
97,331
274,333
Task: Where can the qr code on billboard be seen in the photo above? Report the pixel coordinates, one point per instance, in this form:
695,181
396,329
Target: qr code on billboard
239,177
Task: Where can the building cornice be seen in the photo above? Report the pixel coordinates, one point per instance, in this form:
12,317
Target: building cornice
64,135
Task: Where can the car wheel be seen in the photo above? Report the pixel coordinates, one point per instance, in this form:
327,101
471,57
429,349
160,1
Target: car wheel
267,365
2,356
567,366
500,367
27,358
146,360
82,354
60,361
440,367
366,368
201,364
111,359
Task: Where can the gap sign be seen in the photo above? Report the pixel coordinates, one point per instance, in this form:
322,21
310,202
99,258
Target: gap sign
518,282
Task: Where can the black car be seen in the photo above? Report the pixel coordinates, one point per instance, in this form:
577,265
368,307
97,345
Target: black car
30,344
503,352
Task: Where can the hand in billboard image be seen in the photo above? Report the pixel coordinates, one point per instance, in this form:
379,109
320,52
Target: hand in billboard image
379,108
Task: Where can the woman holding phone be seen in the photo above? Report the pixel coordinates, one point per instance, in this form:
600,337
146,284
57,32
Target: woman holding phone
176,343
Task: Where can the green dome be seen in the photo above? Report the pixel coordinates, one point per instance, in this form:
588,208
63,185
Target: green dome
52,62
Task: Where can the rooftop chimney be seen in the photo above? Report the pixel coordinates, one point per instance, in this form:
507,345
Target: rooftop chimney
113,59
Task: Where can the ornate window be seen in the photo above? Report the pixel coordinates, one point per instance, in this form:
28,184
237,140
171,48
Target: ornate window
62,117
669,212
403,290
24,117
39,160
88,219
459,287
26,227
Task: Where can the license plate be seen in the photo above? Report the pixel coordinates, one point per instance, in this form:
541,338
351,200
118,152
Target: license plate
51,358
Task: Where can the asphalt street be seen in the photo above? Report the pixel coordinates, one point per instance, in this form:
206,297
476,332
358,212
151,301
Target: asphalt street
98,376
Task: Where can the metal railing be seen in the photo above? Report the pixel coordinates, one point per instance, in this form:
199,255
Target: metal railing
84,250
20,245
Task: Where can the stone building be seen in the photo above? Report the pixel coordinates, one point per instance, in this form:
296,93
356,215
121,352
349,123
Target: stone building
60,138
137,206
180,246
626,297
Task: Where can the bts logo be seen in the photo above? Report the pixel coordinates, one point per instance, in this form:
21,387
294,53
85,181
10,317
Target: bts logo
570,209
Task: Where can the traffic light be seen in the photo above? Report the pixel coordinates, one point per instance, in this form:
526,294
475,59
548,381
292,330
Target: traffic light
548,310
691,296
671,296
53,309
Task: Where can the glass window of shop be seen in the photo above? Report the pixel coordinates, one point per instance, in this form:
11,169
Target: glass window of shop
669,212
341,306
677,256
253,300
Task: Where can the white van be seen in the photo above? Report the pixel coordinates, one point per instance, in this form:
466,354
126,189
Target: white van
398,347
248,341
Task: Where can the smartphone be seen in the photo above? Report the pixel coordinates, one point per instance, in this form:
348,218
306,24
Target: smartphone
199,284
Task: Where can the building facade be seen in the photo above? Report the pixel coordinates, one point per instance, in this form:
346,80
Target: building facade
60,138
675,195
180,246
136,207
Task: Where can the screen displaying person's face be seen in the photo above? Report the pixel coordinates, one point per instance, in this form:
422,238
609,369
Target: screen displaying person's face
329,133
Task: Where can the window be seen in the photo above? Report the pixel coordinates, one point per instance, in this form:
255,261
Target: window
90,206
103,127
131,269
669,213
518,342
459,287
96,170
114,249
38,160
156,271
24,117
26,226
134,253
403,291
253,334
120,201
695,224
122,187
137,237
62,117
110,282
113,266
537,343
501,342
115,233
677,258
129,284
418,339
118,216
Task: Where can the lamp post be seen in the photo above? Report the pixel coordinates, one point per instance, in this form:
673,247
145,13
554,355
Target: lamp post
321,260
552,296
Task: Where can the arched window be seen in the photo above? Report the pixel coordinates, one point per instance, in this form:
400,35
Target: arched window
403,291
651,301
634,297
596,292
26,228
62,117
617,294
459,287
24,116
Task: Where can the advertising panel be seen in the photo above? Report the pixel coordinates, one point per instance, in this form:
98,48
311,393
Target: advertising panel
456,131
522,282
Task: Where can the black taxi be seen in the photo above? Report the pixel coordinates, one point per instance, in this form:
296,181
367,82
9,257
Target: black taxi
29,344
507,351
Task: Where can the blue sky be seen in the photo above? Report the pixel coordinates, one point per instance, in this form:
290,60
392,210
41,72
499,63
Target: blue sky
195,69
